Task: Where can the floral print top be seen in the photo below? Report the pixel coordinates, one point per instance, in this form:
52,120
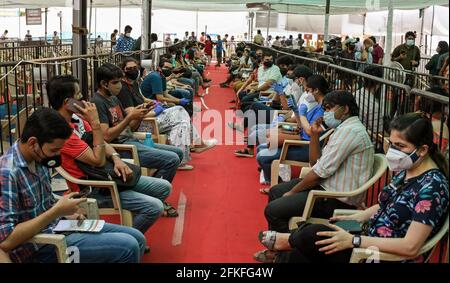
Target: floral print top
423,199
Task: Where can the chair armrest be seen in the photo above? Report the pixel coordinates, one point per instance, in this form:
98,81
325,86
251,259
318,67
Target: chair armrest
139,135
314,194
304,172
129,148
56,240
344,212
289,143
371,255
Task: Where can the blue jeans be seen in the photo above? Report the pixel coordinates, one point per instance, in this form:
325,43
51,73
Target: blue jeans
265,156
257,134
113,244
164,158
182,93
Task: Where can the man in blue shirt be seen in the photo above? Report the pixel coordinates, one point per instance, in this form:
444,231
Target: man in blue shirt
125,43
219,50
154,87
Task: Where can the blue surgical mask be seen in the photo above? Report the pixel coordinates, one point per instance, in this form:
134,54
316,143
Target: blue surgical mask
329,119
410,42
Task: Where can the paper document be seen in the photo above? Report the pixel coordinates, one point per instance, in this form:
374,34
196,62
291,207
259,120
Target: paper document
86,226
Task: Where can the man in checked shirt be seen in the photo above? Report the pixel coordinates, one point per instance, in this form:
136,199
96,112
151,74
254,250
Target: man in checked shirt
28,207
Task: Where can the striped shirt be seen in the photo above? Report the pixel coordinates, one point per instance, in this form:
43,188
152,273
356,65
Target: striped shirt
24,195
347,160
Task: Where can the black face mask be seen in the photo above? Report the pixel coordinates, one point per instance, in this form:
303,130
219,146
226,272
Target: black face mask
132,74
283,71
51,162
268,64
166,72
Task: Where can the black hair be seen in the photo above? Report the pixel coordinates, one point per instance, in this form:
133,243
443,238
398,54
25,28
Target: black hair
162,62
410,33
126,60
128,28
285,60
318,82
341,98
444,47
60,88
374,40
108,72
375,71
46,125
418,130
116,31
153,37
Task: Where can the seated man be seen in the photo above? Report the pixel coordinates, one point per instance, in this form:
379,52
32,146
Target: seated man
316,86
154,87
145,199
117,126
28,206
343,165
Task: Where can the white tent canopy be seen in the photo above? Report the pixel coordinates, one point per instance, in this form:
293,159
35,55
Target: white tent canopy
307,7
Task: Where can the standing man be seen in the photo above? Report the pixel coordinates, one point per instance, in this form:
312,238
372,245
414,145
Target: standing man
219,50
202,38
114,38
125,42
407,54
28,36
377,52
56,40
300,41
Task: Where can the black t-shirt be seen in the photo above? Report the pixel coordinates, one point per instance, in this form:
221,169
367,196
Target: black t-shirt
111,112
129,95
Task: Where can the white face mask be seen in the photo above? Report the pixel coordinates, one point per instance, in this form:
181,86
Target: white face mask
399,161
128,34
309,97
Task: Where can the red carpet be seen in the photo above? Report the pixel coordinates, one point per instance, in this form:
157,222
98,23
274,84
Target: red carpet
224,210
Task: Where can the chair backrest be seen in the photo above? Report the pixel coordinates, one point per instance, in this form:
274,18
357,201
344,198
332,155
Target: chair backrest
379,168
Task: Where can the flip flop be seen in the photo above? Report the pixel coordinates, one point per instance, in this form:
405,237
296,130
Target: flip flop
243,153
264,191
263,256
268,238
169,211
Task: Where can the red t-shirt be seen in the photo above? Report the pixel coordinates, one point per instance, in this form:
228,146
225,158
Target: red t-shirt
73,148
208,47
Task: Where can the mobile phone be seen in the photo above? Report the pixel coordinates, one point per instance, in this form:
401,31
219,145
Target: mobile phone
83,193
288,128
71,105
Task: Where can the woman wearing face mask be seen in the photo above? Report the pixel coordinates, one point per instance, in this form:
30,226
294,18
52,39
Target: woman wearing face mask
317,87
411,209
433,65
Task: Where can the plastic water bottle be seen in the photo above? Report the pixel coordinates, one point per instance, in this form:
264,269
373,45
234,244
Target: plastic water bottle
148,140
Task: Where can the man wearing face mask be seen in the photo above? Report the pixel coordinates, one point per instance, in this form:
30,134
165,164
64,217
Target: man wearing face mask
343,165
407,54
125,43
28,206
118,126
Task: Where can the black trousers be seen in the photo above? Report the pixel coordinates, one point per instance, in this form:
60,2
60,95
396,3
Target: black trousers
280,209
259,109
304,249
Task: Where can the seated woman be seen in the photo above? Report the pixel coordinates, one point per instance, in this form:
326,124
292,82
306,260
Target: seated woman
411,209
174,121
180,63
318,87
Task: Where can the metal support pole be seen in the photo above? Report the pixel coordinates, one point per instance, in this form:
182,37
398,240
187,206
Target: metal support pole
327,21
422,16
268,21
90,23
79,39
364,23
120,16
196,24
431,33
390,21
46,26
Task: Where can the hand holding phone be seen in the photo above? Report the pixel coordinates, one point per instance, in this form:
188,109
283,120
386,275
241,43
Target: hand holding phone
84,193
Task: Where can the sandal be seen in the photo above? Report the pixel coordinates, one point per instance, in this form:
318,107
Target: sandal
169,211
264,191
268,238
243,153
265,256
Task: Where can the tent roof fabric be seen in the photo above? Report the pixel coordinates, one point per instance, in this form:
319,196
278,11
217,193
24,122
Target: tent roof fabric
309,7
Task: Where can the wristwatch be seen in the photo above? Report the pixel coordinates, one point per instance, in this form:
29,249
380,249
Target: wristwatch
356,241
